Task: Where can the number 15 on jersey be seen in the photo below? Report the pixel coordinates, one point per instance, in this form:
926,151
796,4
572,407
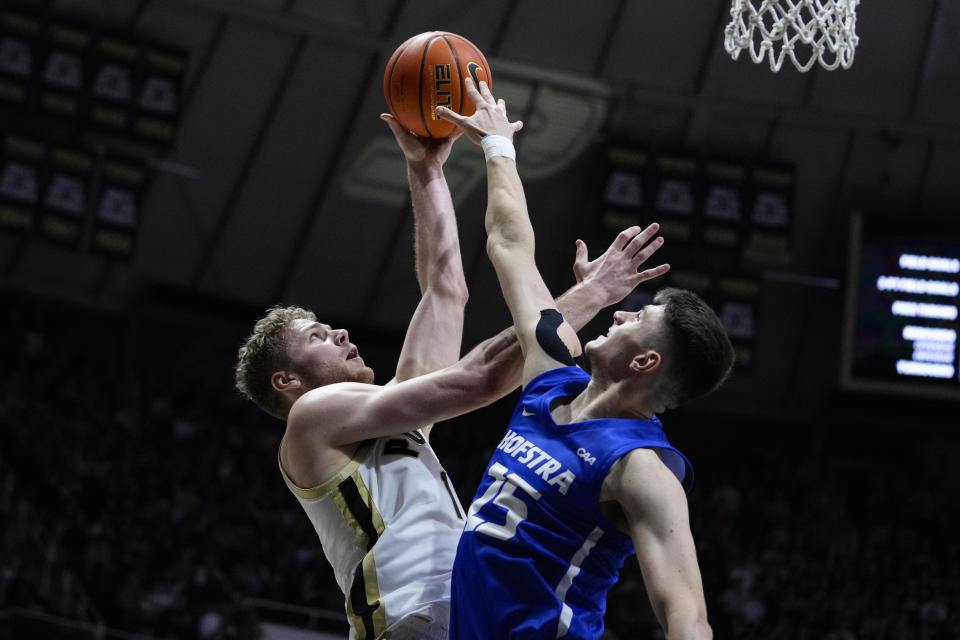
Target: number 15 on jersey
501,493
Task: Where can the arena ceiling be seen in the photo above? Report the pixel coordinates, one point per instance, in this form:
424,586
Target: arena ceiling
282,185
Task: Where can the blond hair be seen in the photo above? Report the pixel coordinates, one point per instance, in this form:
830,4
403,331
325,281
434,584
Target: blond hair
265,352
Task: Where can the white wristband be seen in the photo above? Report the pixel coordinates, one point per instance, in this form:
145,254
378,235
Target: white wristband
495,144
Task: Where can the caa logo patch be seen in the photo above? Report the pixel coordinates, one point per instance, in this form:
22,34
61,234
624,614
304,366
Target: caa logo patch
583,453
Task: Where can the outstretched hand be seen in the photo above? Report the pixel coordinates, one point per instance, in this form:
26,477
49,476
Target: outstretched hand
419,150
490,116
617,272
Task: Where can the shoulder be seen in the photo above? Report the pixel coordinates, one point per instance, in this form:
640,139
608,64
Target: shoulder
640,462
314,447
640,477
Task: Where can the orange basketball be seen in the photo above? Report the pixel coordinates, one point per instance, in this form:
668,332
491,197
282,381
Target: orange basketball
427,71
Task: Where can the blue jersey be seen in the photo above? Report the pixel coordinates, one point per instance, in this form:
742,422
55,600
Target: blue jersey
537,556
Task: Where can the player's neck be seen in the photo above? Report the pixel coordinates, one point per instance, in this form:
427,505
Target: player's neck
613,400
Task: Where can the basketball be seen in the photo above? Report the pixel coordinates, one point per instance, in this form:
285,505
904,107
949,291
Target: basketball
428,71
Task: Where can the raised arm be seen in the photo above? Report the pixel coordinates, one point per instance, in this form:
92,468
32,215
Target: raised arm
511,247
655,507
510,238
435,331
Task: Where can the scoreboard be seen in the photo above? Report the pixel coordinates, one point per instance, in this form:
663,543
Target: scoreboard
902,296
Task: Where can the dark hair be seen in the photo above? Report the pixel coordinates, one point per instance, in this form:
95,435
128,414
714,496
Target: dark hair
700,353
265,352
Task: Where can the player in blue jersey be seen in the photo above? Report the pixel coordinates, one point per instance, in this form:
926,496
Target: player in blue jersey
584,476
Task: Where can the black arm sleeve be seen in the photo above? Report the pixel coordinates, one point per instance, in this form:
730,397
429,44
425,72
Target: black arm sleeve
548,338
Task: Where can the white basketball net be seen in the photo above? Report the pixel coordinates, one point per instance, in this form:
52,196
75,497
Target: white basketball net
806,31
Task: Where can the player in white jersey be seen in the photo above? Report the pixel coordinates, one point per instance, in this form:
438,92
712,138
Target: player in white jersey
396,577
357,455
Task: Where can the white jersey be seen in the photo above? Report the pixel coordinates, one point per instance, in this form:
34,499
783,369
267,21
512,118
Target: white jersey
389,523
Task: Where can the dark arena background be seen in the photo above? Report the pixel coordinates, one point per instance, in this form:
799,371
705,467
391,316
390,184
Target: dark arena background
170,168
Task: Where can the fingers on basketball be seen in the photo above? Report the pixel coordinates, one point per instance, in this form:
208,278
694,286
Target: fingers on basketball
429,71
